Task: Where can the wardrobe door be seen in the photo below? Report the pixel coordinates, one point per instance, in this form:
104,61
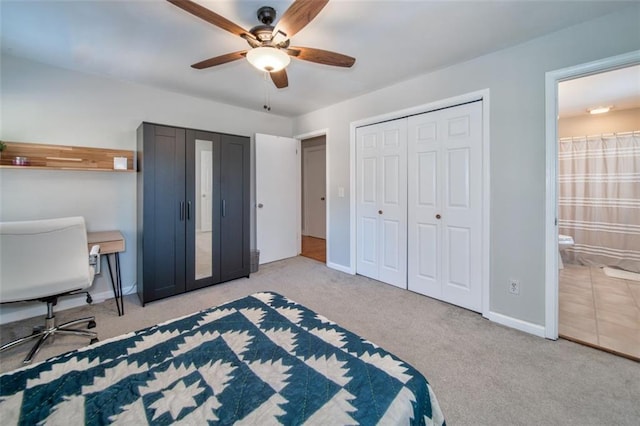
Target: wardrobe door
445,205
161,192
234,207
202,216
381,205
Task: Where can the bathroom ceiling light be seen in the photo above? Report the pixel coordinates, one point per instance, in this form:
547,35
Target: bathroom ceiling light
600,109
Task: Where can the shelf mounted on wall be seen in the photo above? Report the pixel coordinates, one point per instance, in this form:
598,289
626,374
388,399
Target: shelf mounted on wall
21,155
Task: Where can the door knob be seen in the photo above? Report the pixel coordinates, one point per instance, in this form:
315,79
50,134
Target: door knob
438,216
260,205
379,211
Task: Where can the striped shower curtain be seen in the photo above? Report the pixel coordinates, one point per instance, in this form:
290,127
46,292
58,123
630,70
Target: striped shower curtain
599,199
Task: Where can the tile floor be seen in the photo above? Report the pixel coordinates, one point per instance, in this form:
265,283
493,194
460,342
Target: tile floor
599,310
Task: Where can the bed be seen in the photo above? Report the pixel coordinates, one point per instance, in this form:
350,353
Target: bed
262,359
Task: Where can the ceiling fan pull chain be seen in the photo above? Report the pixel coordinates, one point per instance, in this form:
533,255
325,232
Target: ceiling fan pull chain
267,101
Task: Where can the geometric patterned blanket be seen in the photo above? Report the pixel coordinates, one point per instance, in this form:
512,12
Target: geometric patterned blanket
258,360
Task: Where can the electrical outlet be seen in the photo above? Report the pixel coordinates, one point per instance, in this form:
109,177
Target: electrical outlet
514,287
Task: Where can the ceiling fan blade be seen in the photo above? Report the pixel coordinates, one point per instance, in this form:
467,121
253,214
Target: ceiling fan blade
218,60
280,78
320,56
211,17
299,14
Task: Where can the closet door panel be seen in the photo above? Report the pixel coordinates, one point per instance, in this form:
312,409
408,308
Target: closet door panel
234,202
462,209
367,169
391,237
382,197
424,200
164,213
457,181
393,219
203,235
448,147
426,186
427,255
458,245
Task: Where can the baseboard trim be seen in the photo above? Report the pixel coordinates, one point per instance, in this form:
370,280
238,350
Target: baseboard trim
527,327
34,309
340,268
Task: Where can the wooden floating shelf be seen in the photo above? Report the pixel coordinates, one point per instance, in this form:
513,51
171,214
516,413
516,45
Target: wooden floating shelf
62,157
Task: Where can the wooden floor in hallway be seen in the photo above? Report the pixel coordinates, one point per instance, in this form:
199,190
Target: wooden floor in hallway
314,248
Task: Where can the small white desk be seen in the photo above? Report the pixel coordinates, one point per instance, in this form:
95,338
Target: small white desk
111,243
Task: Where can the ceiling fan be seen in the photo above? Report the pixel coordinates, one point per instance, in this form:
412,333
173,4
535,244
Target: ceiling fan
270,50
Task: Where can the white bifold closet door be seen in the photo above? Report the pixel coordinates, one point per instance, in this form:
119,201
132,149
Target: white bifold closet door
381,168
445,205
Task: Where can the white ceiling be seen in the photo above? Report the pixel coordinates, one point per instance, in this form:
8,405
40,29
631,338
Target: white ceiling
154,43
618,88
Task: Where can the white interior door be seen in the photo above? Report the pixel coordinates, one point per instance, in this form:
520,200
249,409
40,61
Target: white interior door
277,189
315,213
381,159
206,187
445,205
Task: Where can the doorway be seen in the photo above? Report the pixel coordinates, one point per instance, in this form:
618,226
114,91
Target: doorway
313,206
592,205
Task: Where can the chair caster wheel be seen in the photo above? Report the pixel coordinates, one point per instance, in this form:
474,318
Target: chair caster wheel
91,324
93,341
89,299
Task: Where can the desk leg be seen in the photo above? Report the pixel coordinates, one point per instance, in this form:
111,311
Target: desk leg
116,283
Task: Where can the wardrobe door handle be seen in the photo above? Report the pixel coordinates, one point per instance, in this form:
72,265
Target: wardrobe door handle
189,210
181,211
224,208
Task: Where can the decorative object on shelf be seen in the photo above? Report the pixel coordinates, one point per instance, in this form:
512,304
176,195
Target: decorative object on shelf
20,161
62,157
3,146
119,163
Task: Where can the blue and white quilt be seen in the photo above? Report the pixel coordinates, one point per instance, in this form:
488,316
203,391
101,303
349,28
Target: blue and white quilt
259,360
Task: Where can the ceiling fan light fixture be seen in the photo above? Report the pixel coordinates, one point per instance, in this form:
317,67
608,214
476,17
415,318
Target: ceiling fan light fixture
268,59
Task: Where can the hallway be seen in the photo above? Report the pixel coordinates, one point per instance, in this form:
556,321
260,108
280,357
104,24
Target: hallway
314,248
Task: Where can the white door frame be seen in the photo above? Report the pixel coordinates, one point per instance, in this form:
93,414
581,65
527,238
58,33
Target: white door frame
552,78
486,174
309,135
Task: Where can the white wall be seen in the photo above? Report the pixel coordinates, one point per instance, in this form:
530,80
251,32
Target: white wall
44,104
516,79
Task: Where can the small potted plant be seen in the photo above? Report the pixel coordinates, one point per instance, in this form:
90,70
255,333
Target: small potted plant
3,146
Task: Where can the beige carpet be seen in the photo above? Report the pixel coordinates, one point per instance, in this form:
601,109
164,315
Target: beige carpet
482,373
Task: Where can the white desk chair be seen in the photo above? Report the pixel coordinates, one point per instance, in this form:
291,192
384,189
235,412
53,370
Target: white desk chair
42,260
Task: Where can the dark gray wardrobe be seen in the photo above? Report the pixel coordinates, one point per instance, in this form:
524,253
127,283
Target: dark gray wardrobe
192,209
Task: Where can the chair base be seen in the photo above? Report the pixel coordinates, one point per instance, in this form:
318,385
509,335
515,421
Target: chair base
47,333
